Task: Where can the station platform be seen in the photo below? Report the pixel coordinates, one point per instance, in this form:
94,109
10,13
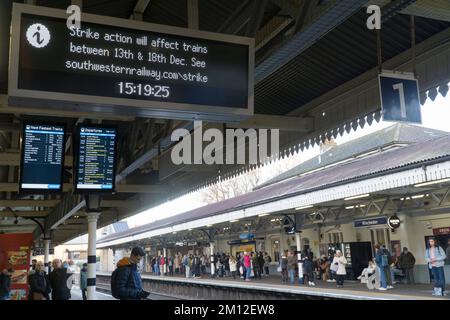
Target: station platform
353,290
76,295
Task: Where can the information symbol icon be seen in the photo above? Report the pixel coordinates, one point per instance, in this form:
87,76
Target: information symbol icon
38,35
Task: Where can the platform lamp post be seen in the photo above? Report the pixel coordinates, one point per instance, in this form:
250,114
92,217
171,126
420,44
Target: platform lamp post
93,213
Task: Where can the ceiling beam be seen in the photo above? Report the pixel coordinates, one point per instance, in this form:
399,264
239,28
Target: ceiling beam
6,108
121,188
237,20
28,203
12,214
192,11
139,9
335,14
259,8
259,121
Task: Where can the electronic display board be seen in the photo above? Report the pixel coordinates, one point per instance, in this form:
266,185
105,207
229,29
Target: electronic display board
95,159
42,157
128,67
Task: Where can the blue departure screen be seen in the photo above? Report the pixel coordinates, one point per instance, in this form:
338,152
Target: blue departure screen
96,159
42,157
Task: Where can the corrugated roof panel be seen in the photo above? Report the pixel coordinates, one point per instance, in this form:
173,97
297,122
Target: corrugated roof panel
360,168
349,50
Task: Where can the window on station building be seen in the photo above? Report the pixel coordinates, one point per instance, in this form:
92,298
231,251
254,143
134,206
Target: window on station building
380,236
335,237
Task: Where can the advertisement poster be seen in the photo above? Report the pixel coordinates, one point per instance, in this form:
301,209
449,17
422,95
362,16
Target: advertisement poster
15,254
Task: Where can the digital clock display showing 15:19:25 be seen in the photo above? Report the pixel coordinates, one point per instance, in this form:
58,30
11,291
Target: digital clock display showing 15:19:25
146,90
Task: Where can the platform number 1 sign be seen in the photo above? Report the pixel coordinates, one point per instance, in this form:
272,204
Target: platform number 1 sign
400,98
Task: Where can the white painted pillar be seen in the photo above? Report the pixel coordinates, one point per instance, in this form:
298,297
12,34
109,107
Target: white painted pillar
164,271
92,256
46,253
299,255
211,258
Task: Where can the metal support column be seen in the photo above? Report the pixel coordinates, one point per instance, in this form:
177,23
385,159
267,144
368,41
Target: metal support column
164,270
93,213
299,256
213,268
46,253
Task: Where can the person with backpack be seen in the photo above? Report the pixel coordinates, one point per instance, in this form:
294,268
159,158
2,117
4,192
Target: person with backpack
267,261
126,282
407,261
382,262
435,256
83,280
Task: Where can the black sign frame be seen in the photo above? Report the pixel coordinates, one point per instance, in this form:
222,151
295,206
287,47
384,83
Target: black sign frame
64,102
77,155
22,155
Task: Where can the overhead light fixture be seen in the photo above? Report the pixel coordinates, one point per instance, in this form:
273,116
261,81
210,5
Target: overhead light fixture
304,207
174,232
429,183
357,206
236,220
357,197
209,225
263,214
418,196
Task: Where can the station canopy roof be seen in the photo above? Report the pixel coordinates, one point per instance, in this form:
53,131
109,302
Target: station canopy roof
315,77
398,148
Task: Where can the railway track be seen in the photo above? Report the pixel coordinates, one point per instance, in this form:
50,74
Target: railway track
106,288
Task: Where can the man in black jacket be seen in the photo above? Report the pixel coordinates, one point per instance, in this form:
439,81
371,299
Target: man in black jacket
39,283
58,281
126,282
5,283
407,262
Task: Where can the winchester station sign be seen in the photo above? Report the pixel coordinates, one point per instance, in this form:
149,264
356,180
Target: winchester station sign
128,67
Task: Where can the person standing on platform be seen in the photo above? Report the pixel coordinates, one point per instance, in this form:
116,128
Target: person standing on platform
233,266
267,261
284,268
185,262
58,280
447,252
382,264
247,266
176,263
407,262
126,282
341,262
5,283
162,262
435,256
261,264
292,264
83,280
39,283
255,264
308,272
